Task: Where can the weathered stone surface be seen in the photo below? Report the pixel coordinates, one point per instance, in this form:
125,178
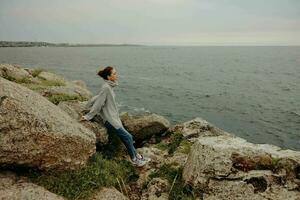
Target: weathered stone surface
76,109
144,177
51,76
178,159
197,128
44,83
35,132
216,158
69,89
246,163
144,126
108,194
157,190
235,190
160,157
240,190
13,188
278,193
13,72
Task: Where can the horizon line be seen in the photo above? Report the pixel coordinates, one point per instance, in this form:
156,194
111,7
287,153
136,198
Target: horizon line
137,44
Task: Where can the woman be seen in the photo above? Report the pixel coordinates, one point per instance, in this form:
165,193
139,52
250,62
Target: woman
104,104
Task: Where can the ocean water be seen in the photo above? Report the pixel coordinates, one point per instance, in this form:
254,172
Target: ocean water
253,92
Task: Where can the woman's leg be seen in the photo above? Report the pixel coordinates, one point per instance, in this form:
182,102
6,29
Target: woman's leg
125,137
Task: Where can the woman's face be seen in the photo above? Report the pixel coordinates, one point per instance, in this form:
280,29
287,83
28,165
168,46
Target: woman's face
113,76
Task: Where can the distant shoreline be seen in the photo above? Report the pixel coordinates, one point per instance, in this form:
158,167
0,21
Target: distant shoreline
47,44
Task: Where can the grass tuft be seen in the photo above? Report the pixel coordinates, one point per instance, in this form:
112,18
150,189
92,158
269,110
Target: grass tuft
81,184
25,80
64,97
185,146
180,190
34,87
162,146
36,72
175,140
10,78
52,83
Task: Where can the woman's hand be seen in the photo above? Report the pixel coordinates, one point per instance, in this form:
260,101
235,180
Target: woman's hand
83,118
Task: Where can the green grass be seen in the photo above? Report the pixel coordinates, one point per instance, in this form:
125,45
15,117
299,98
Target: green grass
52,83
81,184
64,97
25,80
180,190
10,78
162,146
36,72
185,146
34,87
176,140
275,162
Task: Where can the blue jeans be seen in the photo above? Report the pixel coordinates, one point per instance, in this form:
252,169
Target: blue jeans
125,137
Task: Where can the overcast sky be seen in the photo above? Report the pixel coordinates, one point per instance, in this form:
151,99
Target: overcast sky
152,22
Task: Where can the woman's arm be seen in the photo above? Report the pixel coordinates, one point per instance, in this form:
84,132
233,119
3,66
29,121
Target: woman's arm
98,104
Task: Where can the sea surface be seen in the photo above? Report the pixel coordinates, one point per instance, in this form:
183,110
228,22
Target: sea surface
253,92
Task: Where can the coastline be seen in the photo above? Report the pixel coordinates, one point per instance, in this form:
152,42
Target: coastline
48,44
193,154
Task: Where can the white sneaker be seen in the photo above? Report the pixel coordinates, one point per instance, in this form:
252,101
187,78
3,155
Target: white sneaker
138,162
141,157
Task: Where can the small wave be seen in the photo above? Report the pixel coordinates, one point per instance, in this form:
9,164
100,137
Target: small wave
286,89
141,110
134,109
295,113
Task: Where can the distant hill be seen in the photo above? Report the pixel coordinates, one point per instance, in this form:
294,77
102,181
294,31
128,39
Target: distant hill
47,44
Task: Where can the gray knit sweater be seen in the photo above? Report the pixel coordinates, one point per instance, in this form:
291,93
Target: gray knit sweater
105,105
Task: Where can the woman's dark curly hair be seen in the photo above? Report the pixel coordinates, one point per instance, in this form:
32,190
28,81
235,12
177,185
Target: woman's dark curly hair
104,73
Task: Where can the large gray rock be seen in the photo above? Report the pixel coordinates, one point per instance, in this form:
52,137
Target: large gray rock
239,190
51,76
144,126
70,89
279,193
46,83
13,72
76,109
108,194
14,188
224,157
35,132
197,127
